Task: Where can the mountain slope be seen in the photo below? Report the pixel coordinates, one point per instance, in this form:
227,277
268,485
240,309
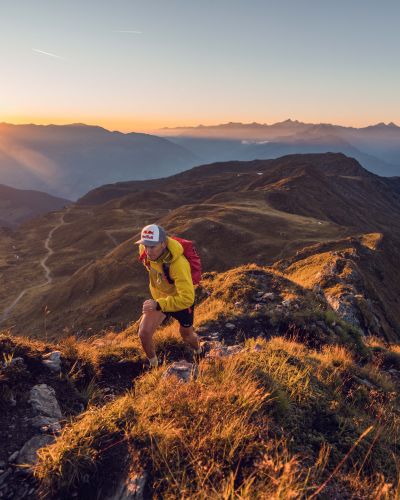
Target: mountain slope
69,160
288,401
260,211
18,205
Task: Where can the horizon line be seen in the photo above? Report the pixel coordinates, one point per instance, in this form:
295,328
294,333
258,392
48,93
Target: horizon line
198,126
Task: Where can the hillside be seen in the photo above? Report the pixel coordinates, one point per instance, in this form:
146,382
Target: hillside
237,212
288,401
17,205
69,160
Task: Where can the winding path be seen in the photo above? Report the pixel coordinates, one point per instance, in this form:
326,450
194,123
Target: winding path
46,269
108,233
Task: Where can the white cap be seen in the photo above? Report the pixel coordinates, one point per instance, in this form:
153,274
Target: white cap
152,235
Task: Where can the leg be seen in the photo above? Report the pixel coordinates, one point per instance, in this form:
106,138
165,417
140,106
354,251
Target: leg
188,335
148,325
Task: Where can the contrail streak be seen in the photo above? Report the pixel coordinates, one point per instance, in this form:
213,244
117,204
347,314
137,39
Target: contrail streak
47,53
128,31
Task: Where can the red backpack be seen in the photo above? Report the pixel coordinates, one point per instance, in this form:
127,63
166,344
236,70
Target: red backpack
190,252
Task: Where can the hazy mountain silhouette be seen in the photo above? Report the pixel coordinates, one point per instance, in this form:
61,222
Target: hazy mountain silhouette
376,147
18,205
69,160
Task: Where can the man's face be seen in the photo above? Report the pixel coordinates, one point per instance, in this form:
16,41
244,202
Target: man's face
153,253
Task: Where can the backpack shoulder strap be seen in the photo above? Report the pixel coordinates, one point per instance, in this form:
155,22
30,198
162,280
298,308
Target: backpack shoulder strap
166,273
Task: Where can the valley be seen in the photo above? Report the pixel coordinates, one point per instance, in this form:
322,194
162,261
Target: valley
237,212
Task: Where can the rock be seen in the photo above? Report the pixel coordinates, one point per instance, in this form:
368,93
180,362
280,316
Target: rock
131,488
183,370
53,361
268,296
46,424
13,457
230,326
258,307
238,304
345,305
286,303
2,464
28,453
257,348
43,400
221,351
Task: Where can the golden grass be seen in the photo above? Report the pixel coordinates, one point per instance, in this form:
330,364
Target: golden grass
217,437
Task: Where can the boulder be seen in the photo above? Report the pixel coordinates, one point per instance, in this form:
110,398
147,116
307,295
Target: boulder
43,400
28,453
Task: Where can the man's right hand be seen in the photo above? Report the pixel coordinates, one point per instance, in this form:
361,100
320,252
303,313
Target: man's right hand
149,306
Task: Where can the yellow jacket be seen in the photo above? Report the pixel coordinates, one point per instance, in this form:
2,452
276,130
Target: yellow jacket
179,295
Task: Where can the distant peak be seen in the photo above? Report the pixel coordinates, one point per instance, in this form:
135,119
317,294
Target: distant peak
289,120
384,125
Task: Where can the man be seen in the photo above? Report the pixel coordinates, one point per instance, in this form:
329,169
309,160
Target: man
174,299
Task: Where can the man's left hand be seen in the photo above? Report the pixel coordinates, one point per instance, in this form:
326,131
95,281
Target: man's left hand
149,306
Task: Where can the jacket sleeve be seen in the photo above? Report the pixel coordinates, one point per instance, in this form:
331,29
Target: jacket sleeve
184,295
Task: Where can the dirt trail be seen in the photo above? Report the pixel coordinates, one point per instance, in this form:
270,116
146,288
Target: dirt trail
108,233
46,269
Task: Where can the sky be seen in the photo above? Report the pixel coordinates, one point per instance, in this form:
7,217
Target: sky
140,65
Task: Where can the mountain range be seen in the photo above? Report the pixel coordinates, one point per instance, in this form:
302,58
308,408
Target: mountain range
376,147
69,160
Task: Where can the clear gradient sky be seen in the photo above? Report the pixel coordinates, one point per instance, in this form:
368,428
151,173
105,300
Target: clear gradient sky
137,65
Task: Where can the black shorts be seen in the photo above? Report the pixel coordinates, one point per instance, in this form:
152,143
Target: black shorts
185,317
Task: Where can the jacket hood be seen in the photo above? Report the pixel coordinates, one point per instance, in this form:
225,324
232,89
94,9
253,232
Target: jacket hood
175,248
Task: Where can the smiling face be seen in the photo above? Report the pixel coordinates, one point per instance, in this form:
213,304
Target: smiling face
154,252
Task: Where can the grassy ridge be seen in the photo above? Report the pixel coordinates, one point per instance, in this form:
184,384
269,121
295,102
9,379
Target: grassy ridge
309,408
276,420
